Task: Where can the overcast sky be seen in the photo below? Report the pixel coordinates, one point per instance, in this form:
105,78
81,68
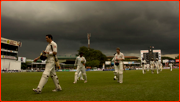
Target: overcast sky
132,26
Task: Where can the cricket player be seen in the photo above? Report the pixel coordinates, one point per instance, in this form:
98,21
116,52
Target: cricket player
157,63
80,63
118,65
80,76
143,63
170,64
114,69
161,66
152,66
50,66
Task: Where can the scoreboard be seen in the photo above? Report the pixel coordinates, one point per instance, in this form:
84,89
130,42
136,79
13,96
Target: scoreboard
148,55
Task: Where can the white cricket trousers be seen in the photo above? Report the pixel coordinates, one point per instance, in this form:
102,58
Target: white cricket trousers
143,69
152,68
119,72
147,68
161,68
83,70
80,76
157,69
170,68
49,71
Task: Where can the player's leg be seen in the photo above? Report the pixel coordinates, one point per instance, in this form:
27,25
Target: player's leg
152,69
115,75
120,72
170,68
44,78
83,69
157,69
42,82
143,69
55,80
81,76
115,72
76,75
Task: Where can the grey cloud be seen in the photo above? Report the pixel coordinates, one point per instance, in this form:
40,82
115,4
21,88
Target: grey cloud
130,25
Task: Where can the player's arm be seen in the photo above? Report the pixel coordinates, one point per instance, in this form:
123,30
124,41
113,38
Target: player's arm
84,61
141,64
75,64
36,59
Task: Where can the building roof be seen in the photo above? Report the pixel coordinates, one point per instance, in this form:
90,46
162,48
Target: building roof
67,57
131,57
10,42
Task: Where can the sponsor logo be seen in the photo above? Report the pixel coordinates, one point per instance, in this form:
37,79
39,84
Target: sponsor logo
3,40
177,60
7,41
171,61
8,57
13,43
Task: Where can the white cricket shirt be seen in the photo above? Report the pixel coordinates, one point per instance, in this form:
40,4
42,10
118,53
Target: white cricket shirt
78,61
50,56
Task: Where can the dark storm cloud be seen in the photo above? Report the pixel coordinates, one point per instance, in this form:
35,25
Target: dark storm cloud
132,26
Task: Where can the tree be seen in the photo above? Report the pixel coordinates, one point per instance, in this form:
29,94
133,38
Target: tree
93,63
23,65
94,58
177,57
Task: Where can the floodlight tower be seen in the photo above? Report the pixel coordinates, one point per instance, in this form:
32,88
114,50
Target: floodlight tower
88,36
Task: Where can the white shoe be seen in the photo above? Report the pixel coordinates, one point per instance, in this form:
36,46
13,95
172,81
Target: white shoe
37,90
74,82
81,79
55,90
85,81
120,82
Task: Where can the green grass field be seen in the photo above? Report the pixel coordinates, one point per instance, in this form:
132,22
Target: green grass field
100,87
